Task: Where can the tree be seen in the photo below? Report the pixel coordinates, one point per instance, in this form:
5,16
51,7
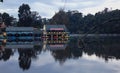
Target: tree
1,0
36,19
75,21
60,18
7,19
24,15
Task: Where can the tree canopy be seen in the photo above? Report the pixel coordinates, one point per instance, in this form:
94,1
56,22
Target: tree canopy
106,21
27,17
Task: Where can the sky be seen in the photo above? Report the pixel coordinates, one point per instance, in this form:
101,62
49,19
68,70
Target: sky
47,8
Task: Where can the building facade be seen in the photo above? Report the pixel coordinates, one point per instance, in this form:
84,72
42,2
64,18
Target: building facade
55,32
22,34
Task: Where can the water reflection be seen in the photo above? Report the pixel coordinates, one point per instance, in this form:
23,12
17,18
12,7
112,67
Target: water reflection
62,50
106,48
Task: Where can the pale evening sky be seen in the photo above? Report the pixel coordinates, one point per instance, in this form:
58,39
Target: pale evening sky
47,8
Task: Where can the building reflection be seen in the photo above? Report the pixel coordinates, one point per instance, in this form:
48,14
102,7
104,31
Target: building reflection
57,48
29,50
61,49
26,50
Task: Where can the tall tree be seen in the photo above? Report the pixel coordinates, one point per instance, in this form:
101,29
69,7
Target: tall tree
24,15
7,19
60,18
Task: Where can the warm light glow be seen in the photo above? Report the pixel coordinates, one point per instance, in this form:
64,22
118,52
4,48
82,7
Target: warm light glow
56,29
4,34
4,41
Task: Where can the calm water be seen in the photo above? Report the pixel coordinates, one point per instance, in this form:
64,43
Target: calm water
75,55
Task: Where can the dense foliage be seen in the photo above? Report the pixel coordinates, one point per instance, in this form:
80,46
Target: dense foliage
6,18
27,17
106,21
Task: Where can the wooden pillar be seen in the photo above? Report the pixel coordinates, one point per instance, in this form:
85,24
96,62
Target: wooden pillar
51,36
57,36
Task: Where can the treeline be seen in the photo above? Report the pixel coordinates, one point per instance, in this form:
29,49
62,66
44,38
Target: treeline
26,18
106,21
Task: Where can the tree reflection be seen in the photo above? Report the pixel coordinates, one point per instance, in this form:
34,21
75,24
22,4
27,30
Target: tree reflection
25,56
70,51
105,48
61,55
5,54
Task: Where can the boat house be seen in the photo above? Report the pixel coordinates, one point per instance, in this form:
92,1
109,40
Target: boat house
55,31
22,33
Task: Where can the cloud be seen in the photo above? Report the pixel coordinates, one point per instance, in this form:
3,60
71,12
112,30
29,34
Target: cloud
106,4
45,63
43,60
45,10
48,8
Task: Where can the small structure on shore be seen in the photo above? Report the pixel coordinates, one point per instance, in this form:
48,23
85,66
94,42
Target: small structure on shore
22,33
55,31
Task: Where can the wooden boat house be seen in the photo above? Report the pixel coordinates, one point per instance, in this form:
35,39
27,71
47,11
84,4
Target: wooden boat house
55,32
22,33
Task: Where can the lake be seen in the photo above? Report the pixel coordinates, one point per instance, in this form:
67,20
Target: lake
73,55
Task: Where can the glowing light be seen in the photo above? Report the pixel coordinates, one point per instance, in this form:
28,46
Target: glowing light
56,29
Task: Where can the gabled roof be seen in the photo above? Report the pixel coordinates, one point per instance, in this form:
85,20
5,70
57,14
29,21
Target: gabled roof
48,27
19,29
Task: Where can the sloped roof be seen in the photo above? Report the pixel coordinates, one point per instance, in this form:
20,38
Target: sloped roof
48,27
19,29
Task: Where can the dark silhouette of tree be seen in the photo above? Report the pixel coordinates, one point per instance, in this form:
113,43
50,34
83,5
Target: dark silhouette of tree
28,18
24,15
36,19
5,55
61,55
1,0
7,19
77,23
26,55
25,58
106,48
70,52
60,18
